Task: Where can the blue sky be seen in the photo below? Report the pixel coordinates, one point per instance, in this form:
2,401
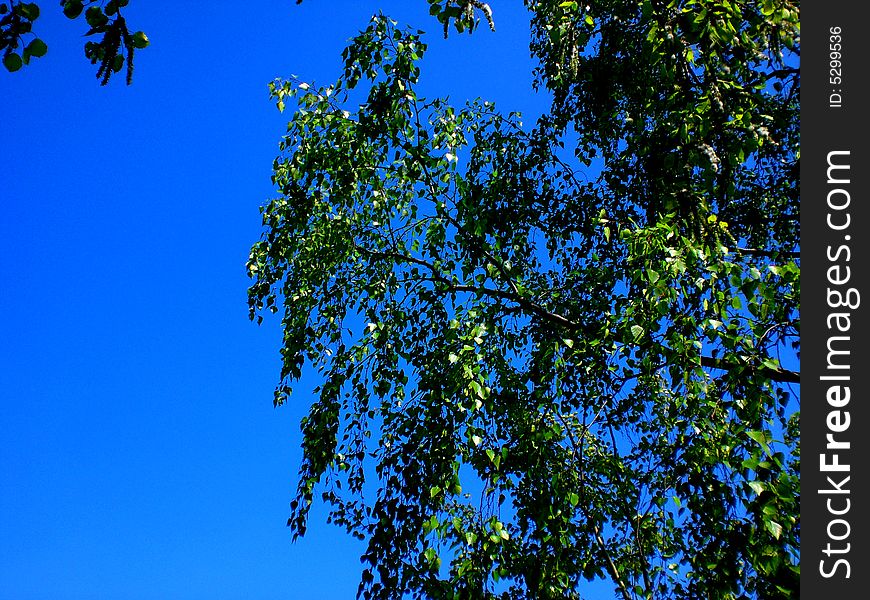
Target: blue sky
140,455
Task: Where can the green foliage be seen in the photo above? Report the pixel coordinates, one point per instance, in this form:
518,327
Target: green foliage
533,376
114,50
16,20
462,14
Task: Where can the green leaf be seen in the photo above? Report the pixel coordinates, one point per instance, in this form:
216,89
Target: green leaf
750,463
29,10
774,528
757,486
12,62
95,17
757,436
478,389
770,363
36,48
73,8
637,332
139,40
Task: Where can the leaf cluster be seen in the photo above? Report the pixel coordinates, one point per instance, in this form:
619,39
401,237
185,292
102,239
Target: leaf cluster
112,52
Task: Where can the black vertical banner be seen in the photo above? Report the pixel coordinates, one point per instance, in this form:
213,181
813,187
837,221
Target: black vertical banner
835,234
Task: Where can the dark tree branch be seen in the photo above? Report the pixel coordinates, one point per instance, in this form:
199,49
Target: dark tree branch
774,374
768,253
614,572
777,374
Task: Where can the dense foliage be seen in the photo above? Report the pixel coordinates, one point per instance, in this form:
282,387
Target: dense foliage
551,354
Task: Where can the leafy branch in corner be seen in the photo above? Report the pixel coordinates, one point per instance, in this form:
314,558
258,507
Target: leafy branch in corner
113,52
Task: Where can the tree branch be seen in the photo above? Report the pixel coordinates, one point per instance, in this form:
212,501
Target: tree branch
778,374
767,253
613,570
452,286
774,374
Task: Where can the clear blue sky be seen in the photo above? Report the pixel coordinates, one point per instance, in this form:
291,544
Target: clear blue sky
140,456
